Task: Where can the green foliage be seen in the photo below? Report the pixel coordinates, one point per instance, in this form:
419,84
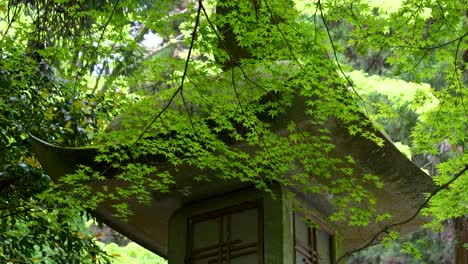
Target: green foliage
32,229
131,253
39,94
420,247
201,123
199,130
418,42
451,202
47,236
208,96
395,104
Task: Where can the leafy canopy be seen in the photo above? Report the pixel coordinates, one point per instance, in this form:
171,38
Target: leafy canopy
215,83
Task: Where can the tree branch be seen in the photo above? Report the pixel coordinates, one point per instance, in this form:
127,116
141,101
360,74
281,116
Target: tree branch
15,213
184,75
434,47
387,228
350,83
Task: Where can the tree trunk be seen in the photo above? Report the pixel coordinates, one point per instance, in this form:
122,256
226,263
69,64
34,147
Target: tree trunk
461,233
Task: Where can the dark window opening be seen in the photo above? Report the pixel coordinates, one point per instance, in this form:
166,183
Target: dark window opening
313,241
232,235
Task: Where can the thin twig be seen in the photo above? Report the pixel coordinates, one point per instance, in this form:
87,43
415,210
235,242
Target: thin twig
433,47
228,52
456,73
14,213
101,37
10,21
319,6
447,91
179,89
414,65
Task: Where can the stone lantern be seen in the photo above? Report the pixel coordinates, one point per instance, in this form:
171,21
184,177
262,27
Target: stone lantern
232,222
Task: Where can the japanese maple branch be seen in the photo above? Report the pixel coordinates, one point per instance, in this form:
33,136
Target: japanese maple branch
288,44
251,81
233,81
184,75
435,47
387,228
459,82
447,91
350,83
426,52
101,37
228,52
427,49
